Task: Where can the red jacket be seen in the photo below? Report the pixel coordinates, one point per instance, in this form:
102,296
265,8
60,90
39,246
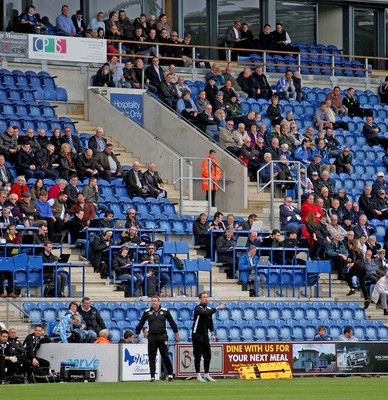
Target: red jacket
307,207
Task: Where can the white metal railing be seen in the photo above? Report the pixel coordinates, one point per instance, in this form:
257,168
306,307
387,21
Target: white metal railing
179,177
296,166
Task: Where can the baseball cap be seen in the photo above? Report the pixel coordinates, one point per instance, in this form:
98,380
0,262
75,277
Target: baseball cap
380,173
220,93
26,194
317,155
315,173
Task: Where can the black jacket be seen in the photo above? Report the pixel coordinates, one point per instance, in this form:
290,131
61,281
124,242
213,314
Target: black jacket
157,322
92,319
32,344
203,321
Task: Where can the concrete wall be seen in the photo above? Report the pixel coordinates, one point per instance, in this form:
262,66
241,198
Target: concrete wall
130,135
330,25
189,142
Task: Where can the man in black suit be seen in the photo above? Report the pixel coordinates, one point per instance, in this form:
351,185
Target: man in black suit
154,73
134,181
79,23
371,133
73,141
233,35
154,182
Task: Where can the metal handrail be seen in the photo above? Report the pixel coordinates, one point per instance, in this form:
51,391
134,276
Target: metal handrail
272,182
180,177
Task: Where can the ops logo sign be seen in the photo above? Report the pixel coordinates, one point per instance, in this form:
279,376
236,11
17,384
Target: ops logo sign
49,45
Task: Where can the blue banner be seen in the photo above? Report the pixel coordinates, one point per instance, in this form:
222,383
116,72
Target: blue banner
131,104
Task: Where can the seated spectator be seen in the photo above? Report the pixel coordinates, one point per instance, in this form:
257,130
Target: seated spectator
150,257
288,120
233,108
28,209
322,118
274,149
154,74
112,21
363,228
127,337
29,22
228,140
265,91
380,292
108,164
253,239
121,265
6,178
281,39
265,170
248,84
97,22
76,226
103,337
134,182
325,196
321,335
29,137
337,124
45,212
154,181
168,93
343,161
142,47
73,141
273,111
383,91
87,166
131,238
336,104
85,206
228,75
90,191
97,143
310,206
306,184
332,143
373,273
201,235
247,225
104,77
248,155
41,236
290,219
325,158
368,203
211,90
224,245
218,102
79,23
208,123
59,187
129,75
107,220
303,152
337,210
19,187
338,254
379,184
25,162
65,26
373,246
8,144
13,206
335,228
140,22
132,220
228,91
47,161
59,209
247,264
117,71
215,73
181,86
50,272
285,87
186,106
202,101
298,85
266,38
352,105
42,138
91,317
248,41
56,140
371,133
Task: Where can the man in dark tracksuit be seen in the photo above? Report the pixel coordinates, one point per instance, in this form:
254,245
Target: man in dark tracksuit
203,323
157,335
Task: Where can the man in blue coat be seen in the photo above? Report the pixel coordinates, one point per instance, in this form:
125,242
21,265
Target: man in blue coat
246,265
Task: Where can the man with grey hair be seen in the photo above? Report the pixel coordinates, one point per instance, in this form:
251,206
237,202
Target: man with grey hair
224,246
134,182
46,161
154,181
97,143
228,75
109,162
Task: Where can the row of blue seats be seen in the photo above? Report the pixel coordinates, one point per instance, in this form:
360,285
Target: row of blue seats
235,311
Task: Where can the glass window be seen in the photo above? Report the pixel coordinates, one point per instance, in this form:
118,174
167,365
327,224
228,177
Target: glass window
153,7
293,15
244,10
365,32
132,8
195,21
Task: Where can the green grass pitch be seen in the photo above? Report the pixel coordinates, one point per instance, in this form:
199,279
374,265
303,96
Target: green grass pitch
297,388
